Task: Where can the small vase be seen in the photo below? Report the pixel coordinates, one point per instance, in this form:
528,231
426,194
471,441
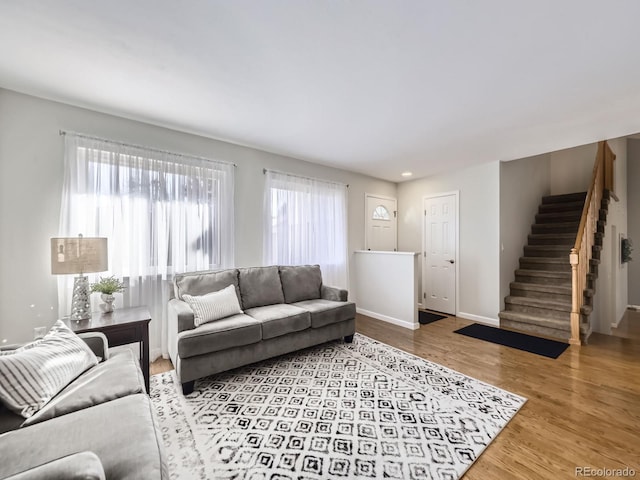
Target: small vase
107,306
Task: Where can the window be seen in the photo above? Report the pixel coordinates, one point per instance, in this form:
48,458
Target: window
381,213
306,223
163,213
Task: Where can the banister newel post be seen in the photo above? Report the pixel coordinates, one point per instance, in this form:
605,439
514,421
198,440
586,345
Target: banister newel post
575,298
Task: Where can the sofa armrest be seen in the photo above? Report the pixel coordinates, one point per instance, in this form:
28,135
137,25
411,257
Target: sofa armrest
82,465
97,342
181,315
333,293
179,318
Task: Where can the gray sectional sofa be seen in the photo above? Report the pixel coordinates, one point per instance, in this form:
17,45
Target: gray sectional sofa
285,308
100,426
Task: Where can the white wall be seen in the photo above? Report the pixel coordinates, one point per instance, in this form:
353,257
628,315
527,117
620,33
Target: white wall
387,287
31,169
523,183
479,262
572,169
633,217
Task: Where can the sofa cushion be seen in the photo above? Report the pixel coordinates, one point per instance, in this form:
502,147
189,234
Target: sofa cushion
280,319
229,332
260,286
213,306
300,282
114,378
32,376
199,283
325,312
121,433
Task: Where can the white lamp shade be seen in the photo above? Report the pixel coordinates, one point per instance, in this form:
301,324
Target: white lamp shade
78,255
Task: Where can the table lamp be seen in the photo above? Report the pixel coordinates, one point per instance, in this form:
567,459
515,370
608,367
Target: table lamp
79,255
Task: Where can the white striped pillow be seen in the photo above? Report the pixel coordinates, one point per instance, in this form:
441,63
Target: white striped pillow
34,375
26,346
214,305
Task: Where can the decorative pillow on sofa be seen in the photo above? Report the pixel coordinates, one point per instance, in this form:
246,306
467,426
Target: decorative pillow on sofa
213,306
260,286
301,282
201,283
26,346
35,373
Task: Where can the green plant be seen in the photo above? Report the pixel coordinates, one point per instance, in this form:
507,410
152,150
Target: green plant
625,249
108,285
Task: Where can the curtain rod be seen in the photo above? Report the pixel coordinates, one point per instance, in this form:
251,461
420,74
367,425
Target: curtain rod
151,149
265,170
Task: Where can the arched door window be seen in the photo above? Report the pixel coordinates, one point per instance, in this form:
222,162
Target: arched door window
381,213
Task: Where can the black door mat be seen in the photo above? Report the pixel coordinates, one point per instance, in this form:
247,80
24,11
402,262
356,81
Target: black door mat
428,317
521,341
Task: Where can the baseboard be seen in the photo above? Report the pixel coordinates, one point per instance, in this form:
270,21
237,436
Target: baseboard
633,307
385,318
494,322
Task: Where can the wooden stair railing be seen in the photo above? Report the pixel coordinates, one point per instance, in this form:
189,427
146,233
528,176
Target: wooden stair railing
582,252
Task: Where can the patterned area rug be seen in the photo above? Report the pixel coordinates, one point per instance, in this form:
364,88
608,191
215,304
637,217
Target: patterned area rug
360,410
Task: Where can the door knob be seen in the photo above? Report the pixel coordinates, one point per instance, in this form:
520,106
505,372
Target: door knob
451,261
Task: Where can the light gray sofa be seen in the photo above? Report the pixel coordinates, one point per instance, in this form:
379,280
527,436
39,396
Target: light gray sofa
100,426
286,308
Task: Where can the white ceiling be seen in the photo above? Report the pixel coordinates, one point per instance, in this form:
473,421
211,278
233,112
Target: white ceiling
373,86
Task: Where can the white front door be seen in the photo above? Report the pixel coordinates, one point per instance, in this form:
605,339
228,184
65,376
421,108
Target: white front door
381,223
439,253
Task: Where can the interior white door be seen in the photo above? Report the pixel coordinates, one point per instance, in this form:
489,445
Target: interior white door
381,223
439,253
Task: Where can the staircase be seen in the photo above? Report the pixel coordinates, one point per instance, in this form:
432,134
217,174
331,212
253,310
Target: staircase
541,296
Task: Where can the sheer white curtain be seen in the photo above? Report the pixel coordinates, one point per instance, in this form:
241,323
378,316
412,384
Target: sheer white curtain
306,223
163,213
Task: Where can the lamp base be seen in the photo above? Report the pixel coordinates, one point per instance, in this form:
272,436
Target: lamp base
80,304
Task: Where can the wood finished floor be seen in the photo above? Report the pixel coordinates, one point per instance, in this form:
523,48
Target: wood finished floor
583,409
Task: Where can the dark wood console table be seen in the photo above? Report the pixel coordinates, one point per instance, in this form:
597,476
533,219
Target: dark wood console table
121,327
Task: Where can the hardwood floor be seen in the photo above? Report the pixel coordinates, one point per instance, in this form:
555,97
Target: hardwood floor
629,327
583,409
160,366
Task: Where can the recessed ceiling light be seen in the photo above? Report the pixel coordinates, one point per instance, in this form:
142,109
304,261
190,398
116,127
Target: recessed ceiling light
406,174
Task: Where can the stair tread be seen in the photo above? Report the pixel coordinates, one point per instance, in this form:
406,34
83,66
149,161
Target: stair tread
540,287
552,235
565,206
545,304
545,259
564,198
569,213
564,325
551,248
558,224
543,273
539,302
565,227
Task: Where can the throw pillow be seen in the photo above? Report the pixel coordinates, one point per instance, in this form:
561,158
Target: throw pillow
26,346
34,374
213,306
301,282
